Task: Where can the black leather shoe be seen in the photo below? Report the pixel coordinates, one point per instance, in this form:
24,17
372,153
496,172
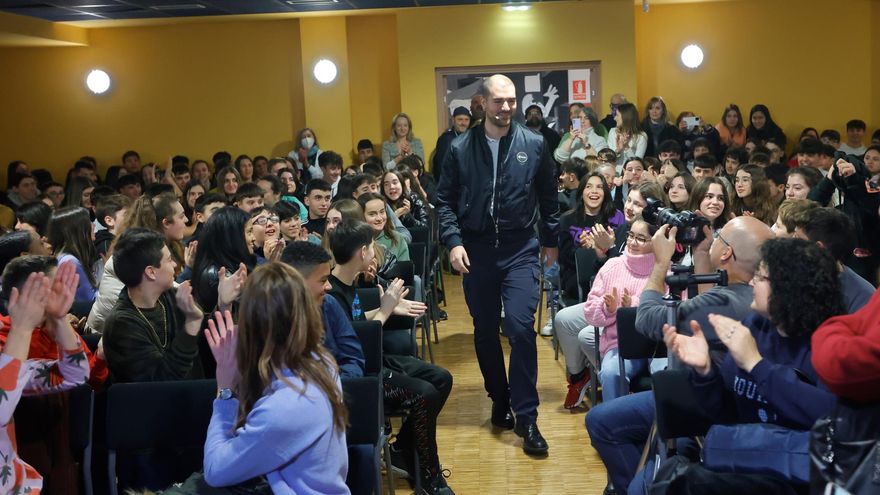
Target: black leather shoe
533,442
502,416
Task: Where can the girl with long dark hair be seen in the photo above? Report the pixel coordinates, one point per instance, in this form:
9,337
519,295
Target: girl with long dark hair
71,236
593,212
763,128
753,194
223,250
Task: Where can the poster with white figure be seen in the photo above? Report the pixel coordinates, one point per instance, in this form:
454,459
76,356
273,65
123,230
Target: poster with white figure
551,90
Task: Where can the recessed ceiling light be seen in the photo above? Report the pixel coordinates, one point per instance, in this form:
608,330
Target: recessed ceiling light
179,6
516,7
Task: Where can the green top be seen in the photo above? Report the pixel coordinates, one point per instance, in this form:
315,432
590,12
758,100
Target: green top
399,250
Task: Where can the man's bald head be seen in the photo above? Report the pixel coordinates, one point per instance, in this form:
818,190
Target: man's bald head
745,236
495,82
618,99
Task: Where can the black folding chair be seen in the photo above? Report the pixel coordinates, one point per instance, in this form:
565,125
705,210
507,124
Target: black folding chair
365,396
398,332
633,345
39,427
159,417
417,253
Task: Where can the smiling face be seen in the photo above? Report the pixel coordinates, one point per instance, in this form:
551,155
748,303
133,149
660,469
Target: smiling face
175,227
194,193
374,214
501,104
334,218
288,182
230,184
634,205
200,171
796,187
401,127
712,204
593,195
391,185
743,184
638,240
678,193
318,202
291,227
636,169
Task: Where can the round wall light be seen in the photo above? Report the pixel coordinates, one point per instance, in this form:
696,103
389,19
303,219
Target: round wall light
692,56
325,71
98,81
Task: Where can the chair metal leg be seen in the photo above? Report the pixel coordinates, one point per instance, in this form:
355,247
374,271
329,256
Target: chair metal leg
111,472
377,468
388,470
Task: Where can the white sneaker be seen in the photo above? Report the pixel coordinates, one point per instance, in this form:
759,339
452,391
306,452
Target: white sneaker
547,330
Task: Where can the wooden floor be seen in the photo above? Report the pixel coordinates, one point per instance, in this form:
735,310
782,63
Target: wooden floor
483,462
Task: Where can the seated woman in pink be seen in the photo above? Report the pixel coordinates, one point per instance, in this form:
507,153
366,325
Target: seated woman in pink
619,284
39,298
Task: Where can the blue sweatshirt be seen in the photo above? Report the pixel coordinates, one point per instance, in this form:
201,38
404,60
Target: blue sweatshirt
341,341
288,437
772,392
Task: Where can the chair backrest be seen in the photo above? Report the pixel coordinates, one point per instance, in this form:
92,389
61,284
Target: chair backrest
417,253
54,433
405,270
632,344
369,298
585,264
419,234
155,415
370,335
363,395
679,413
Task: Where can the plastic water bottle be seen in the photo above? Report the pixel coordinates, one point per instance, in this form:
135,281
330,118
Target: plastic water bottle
357,314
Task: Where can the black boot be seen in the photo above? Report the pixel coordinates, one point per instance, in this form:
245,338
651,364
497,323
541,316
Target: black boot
533,441
502,416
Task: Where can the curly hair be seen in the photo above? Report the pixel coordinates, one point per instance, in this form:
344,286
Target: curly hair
804,285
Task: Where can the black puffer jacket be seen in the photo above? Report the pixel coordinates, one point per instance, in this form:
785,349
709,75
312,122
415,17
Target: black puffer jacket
526,182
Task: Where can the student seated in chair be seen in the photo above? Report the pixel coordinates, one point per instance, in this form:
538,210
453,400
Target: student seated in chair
279,411
409,382
43,341
32,302
151,334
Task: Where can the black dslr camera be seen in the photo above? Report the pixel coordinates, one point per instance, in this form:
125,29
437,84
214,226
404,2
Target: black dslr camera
689,224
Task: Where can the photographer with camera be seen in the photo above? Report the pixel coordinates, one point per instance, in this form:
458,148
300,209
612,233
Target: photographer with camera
618,428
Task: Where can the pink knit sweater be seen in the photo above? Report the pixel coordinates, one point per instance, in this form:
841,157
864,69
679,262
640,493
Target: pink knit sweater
628,271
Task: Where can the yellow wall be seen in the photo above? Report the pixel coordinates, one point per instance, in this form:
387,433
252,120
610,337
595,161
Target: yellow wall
375,82
486,35
328,111
185,88
809,61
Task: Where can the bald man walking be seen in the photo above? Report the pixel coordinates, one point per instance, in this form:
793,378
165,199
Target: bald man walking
495,179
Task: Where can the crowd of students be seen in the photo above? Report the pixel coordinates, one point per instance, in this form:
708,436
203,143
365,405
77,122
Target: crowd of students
188,273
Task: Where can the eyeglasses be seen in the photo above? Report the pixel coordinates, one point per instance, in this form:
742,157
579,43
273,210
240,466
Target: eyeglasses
265,220
717,235
760,278
638,239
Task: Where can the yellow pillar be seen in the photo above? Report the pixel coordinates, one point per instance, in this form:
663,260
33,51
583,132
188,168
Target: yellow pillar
327,106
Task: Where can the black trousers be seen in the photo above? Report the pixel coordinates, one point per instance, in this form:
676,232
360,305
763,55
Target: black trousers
422,388
510,274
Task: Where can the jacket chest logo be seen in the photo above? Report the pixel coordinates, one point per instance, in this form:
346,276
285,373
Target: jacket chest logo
522,157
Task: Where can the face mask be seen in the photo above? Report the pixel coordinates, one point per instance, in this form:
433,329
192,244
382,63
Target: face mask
308,142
